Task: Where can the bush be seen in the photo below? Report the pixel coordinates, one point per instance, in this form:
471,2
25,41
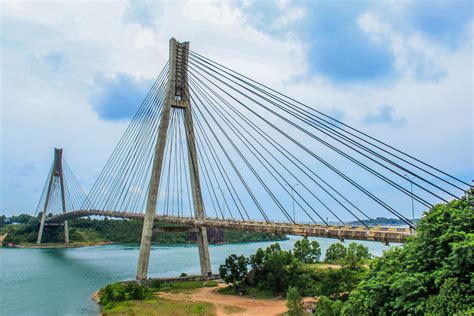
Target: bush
355,255
307,252
431,273
210,284
294,302
234,270
335,252
183,275
155,283
119,292
328,307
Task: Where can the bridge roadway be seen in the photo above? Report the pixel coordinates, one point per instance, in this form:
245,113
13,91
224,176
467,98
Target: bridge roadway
377,233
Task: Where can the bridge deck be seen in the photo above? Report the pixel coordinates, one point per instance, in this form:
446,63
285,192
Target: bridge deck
382,234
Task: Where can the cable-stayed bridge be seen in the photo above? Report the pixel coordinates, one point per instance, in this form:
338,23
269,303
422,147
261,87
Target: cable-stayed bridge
210,147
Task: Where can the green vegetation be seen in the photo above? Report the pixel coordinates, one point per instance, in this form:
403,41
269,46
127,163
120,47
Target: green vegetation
90,231
133,299
274,270
383,221
158,306
307,252
294,302
210,284
328,307
335,252
234,270
119,292
433,273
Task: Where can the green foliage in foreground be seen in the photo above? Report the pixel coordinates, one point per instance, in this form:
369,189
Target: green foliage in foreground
158,306
112,295
274,270
234,270
306,251
294,302
119,292
336,252
433,273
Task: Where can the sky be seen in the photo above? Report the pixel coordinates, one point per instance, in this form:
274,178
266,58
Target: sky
73,73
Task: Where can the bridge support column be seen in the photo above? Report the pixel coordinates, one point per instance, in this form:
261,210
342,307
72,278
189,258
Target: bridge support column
45,209
177,96
203,249
56,173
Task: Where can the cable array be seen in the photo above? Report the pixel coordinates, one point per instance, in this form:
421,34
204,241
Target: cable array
263,155
74,195
122,184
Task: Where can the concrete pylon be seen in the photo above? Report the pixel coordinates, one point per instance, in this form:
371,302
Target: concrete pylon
56,173
177,96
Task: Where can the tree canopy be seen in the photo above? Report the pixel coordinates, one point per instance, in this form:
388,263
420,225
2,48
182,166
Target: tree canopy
433,273
306,251
335,252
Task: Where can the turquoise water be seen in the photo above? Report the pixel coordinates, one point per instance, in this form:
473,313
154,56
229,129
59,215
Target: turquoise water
61,281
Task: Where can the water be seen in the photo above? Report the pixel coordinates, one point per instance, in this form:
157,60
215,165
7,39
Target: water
61,281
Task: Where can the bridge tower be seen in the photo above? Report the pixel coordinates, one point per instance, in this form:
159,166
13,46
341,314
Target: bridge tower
56,175
177,96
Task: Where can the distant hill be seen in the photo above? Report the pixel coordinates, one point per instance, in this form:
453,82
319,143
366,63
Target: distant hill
380,221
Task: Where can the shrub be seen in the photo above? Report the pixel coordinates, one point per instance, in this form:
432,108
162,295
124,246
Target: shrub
336,252
155,283
119,292
306,251
234,270
356,253
431,273
210,284
294,302
328,307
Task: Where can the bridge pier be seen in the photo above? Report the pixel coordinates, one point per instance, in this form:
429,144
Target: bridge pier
177,96
56,172
203,249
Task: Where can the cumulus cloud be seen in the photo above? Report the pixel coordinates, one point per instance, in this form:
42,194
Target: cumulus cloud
384,114
72,73
119,97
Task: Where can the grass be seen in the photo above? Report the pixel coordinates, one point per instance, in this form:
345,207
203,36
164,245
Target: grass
162,307
156,305
182,287
210,283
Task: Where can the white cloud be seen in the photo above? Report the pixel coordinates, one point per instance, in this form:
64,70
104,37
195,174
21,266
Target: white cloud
47,106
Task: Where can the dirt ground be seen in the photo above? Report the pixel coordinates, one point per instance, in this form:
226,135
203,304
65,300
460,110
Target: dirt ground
232,304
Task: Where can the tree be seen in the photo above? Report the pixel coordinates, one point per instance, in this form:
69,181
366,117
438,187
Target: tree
256,260
234,270
21,219
274,269
335,252
306,251
430,274
294,302
355,254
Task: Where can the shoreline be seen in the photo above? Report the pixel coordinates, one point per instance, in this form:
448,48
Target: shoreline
104,243
52,246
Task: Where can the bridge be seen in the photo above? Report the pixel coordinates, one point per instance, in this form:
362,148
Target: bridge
382,234
212,148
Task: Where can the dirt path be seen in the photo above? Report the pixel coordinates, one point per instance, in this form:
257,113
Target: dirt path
232,304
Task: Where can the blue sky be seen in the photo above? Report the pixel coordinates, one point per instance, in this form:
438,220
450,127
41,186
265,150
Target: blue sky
74,73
